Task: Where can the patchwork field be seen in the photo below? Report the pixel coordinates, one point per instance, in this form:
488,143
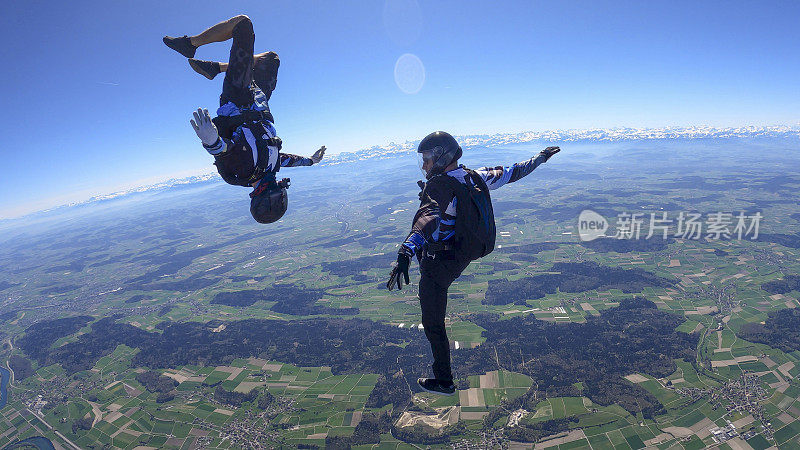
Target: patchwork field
177,289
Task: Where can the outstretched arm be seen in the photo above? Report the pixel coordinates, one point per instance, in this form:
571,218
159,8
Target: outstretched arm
207,132
499,176
216,145
290,160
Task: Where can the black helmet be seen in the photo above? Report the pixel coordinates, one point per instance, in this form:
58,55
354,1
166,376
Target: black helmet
269,205
440,147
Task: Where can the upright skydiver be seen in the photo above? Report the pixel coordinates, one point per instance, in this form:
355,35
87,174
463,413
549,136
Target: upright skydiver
453,226
242,138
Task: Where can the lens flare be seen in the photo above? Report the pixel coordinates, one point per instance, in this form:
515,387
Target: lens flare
409,73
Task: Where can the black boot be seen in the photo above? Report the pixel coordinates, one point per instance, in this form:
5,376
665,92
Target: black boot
435,386
208,69
182,45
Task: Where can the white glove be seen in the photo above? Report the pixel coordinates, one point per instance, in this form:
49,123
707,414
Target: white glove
204,127
318,155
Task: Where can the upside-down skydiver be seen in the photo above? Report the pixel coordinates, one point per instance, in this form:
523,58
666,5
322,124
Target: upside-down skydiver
242,137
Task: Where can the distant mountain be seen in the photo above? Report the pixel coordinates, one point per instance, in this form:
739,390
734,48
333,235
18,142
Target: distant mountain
161,185
591,135
487,140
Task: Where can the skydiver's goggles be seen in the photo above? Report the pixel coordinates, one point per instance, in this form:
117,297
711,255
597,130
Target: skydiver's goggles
428,155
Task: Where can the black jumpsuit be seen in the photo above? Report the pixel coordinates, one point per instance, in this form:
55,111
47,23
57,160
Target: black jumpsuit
435,222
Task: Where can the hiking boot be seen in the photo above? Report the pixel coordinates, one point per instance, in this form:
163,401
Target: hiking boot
182,45
208,69
435,386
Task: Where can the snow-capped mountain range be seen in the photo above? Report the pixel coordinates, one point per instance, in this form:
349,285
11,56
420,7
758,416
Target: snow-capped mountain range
590,135
496,140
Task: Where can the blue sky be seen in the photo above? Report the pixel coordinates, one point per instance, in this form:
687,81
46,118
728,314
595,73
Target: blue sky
93,101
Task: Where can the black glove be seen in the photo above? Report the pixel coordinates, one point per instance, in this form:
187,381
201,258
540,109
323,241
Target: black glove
421,185
550,151
400,267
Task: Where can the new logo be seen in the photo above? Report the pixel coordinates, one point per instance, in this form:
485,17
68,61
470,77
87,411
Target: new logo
591,225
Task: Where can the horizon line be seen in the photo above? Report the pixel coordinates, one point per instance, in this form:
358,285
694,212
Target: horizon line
468,140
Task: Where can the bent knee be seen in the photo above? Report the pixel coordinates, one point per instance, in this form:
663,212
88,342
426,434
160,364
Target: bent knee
271,61
243,25
240,18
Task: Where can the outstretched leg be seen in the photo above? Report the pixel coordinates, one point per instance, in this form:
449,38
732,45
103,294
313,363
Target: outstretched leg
433,302
436,277
219,32
239,71
265,66
265,72
187,45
